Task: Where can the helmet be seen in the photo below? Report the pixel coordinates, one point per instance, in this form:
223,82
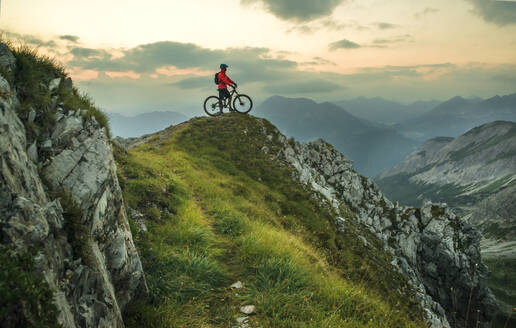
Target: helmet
223,66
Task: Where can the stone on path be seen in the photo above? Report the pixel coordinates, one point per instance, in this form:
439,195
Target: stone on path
248,309
237,285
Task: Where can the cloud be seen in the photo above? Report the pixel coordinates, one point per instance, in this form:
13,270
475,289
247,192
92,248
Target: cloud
304,29
199,82
147,58
30,39
385,26
71,38
497,12
326,24
309,86
298,10
402,83
323,61
343,44
245,64
385,42
84,53
261,72
425,12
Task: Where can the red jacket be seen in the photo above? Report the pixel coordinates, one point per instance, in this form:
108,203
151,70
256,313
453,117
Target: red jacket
224,80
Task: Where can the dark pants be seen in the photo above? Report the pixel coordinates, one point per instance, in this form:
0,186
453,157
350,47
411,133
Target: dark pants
224,93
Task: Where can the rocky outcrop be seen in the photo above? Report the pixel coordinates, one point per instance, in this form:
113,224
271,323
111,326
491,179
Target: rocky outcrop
475,175
59,195
436,250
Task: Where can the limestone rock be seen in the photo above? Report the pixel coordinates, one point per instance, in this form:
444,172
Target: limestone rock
248,309
7,59
93,283
4,85
32,116
32,152
237,285
54,84
438,252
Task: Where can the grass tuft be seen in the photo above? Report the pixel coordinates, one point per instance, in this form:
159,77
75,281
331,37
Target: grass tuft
31,79
25,298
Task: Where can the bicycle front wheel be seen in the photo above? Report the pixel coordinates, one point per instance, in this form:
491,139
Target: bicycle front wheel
212,106
242,104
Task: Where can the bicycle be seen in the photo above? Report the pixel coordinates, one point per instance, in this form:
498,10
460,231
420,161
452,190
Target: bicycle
241,103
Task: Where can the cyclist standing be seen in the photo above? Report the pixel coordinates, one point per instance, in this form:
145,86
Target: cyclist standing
224,81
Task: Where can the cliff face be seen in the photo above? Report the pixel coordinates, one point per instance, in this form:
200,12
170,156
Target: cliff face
475,174
60,200
435,249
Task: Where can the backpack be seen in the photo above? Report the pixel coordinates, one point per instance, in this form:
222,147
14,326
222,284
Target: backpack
217,78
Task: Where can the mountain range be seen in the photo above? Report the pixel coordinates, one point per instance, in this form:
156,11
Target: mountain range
458,115
384,111
373,147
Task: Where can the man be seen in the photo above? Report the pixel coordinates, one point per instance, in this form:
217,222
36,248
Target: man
224,81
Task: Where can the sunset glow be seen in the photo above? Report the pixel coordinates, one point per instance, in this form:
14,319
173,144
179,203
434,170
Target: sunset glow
403,50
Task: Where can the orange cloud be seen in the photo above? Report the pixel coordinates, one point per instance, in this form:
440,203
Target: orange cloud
130,74
173,71
83,74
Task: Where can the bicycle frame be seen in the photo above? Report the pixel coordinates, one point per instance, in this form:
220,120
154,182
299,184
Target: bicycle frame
214,104
231,93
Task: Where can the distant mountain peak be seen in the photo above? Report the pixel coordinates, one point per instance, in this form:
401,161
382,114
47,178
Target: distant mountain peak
456,99
440,139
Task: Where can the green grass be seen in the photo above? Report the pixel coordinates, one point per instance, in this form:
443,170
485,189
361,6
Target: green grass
31,78
25,298
76,231
220,210
502,277
501,281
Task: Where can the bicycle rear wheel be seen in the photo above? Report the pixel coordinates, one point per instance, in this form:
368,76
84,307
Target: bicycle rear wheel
242,104
212,106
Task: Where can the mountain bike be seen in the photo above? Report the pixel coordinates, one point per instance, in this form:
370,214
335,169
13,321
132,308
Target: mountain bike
241,103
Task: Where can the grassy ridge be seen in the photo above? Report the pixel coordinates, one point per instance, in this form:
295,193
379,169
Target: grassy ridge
31,77
220,210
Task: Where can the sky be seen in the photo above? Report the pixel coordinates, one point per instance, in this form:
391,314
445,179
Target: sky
140,56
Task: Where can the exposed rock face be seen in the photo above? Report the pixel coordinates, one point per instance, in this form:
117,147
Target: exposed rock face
470,164
437,251
423,156
95,273
475,175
